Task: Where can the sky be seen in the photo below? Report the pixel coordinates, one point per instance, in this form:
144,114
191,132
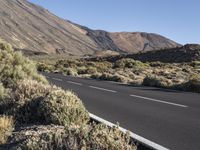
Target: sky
178,20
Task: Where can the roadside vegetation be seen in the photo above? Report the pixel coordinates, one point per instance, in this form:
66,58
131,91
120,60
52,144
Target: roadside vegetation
38,116
179,76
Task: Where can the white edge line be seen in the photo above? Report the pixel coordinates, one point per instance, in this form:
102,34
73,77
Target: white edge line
98,88
57,79
160,101
133,135
74,83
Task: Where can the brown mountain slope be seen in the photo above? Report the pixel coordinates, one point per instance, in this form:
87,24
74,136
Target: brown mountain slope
32,28
27,26
142,41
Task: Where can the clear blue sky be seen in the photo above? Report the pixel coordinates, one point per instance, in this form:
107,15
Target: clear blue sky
178,20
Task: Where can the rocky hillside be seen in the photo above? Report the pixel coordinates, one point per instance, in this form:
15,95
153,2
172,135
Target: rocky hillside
131,42
32,28
186,53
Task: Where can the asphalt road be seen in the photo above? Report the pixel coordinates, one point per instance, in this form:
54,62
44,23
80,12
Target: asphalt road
166,117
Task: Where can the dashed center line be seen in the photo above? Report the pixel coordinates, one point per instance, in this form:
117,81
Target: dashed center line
75,83
160,101
98,88
137,96
57,79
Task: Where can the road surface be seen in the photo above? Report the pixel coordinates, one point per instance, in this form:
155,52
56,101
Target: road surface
166,117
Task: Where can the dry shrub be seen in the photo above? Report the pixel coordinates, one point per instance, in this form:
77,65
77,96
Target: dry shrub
192,85
63,108
70,71
156,81
52,137
110,77
129,63
6,128
35,102
45,67
103,137
3,92
14,66
25,100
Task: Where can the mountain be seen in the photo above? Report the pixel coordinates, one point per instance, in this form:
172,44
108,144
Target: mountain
31,28
186,53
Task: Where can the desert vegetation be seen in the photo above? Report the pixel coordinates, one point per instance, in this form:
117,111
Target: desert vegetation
180,76
36,115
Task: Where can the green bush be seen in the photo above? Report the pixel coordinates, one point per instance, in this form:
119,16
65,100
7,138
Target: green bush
63,108
14,66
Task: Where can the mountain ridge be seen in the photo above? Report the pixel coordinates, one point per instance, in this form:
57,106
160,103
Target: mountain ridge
30,27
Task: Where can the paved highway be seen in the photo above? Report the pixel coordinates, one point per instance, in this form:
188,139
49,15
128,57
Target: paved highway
166,117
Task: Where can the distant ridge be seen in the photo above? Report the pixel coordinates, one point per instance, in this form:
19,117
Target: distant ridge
186,53
30,27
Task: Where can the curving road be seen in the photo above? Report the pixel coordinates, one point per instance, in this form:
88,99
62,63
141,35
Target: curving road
166,117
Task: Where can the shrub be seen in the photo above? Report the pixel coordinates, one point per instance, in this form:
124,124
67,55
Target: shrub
50,137
157,64
23,100
14,67
91,70
156,81
129,63
110,77
103,67
44,67
67,63
30,89
3,92
70,71
53,137
63,108
34,102
96,76
6,128
193,84
195,64
103,137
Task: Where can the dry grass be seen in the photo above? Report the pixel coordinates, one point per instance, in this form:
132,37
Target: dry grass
6,128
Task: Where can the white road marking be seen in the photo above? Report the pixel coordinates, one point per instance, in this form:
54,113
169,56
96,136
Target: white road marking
132,135
57,79
160,101
98,88
75,83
